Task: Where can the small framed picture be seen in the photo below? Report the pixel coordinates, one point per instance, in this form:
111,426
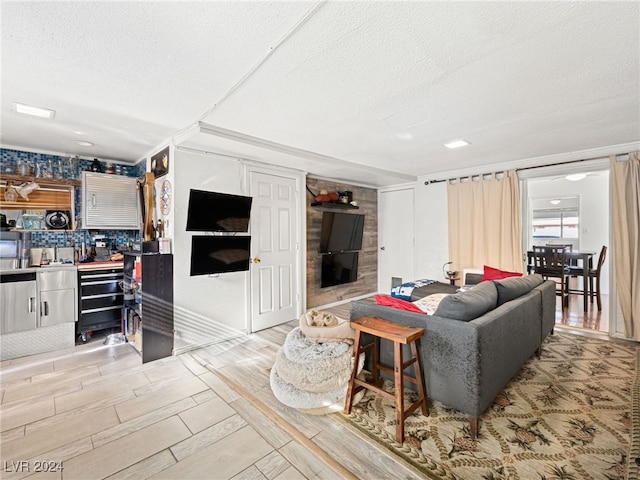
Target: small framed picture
160,162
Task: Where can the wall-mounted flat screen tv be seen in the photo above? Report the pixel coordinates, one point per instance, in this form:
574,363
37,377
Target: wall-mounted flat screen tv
218,212
339,268
341,232
219,254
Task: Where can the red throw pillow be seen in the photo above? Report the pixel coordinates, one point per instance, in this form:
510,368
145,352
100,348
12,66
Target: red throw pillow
398,303
491,273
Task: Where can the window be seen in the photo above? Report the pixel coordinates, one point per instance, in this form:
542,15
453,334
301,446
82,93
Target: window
557,221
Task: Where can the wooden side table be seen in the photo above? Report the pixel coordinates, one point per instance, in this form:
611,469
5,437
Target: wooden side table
399,335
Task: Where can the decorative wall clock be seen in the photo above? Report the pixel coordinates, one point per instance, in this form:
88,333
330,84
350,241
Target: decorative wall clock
165,197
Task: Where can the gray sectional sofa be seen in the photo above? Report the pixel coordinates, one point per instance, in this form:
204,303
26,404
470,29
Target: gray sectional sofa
477,340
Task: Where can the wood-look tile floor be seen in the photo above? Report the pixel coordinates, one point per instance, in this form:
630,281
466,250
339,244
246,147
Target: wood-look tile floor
576,317
97,412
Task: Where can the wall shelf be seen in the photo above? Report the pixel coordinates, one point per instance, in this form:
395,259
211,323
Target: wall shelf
48,230
52,195
334,205
31,178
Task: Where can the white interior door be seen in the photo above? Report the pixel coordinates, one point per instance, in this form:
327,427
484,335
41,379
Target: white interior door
395,237
274,246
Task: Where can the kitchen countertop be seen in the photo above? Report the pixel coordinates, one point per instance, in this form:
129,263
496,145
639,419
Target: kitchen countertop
60,266
100,265
65,266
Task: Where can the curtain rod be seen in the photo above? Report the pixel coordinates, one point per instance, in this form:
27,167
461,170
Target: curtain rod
429,182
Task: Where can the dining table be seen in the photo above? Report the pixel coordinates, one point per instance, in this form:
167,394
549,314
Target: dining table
574,258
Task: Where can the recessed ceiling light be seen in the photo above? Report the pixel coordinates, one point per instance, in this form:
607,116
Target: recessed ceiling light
574,177
35,111
554,202
457,144
82,143
404,136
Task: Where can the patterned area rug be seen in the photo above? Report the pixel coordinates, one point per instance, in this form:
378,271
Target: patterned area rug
573,414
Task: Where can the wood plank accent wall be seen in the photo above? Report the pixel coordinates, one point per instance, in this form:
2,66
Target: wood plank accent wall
367,282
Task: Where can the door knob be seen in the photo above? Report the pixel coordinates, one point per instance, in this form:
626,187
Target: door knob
381,248
256,260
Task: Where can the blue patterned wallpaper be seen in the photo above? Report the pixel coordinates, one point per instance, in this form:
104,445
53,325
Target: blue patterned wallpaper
61,168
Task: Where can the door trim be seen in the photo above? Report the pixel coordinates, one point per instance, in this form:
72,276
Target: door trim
301,234
599,164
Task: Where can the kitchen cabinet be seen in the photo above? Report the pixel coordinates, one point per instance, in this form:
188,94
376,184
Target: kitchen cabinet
51,195
110,202
38,310
100,300
38,299
154,314
57,297
19,307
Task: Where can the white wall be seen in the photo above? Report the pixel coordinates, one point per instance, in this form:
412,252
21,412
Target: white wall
593,192
207,309
170,177
431,230
432,226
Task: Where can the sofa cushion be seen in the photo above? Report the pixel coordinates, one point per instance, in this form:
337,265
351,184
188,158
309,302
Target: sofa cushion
405,290
514,287
471,304
429,304
398,303
491,273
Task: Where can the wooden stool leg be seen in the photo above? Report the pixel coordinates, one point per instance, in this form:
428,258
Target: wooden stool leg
351,391
399,390
399,335
422,388
375,361
473,427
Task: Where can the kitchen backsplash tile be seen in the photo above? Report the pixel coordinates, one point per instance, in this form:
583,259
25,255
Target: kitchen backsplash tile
9,159
119,238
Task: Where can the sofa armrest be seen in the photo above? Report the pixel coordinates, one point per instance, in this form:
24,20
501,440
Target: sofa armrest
471,276
449,351
548,299
466,364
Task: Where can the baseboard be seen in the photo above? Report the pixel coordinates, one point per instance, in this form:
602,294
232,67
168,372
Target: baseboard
190,347
342,302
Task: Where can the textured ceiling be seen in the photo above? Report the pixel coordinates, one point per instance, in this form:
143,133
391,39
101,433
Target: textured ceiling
367,91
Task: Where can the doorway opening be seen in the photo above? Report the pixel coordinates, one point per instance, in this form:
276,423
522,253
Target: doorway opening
563,210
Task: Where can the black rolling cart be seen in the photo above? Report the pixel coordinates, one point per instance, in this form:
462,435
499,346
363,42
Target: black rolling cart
100,299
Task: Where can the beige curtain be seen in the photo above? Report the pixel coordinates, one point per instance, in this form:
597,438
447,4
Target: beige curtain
485,225
625,185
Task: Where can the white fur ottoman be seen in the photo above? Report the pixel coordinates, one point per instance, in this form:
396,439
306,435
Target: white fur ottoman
313,375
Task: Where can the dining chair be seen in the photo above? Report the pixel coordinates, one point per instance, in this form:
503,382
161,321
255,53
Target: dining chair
567,246
550,263
594,273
